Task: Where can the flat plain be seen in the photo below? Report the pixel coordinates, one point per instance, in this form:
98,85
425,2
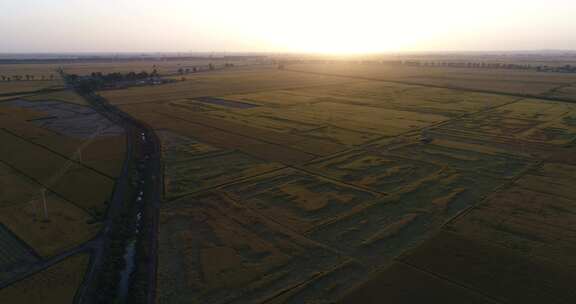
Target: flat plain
58,164
318,183
370,163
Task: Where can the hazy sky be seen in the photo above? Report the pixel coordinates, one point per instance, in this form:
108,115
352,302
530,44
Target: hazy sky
291,25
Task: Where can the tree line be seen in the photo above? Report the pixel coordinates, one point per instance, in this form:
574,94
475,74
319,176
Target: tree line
493,65
116,76
26,77
568,68
210,67
99,80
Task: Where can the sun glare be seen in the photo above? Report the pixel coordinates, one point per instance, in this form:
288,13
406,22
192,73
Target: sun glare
333,27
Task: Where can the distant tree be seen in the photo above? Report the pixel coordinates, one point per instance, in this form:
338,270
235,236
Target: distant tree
143,75
180,71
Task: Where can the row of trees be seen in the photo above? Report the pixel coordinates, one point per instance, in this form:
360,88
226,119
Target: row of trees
560,69
478,65
210,67
26,77
483,65
420,63
98,80
183,71
130,76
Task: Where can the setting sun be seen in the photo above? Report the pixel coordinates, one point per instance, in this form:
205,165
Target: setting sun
338,27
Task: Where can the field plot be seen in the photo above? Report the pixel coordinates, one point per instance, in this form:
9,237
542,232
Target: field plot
465,160
21,211
404,284
56,284
355,112
83,186
554,179
298,200
534,109
505,81
70,120
352,117
566,92
213,251
279,98
383,173
63,96
426,183
384,229
217,84
18,87
328,287
63,126
192,104
37,70
420,99
260,143
225,102
488,269
340,136
191,166
493,125
524,123
531,222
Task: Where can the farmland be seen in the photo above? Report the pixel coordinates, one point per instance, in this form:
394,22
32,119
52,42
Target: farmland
56,284
501,81
14,87
370,169
314,183
58,163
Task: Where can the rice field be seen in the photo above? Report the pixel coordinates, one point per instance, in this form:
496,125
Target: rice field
298,187
369,169
22,212
56,284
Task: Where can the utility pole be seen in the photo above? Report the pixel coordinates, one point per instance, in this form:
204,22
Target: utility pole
44,204
34,208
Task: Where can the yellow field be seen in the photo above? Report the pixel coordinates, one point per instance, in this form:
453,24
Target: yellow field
218,83
13,87
506,81
285,186
56,284
104,153
21,211
66,96
374,170
38,70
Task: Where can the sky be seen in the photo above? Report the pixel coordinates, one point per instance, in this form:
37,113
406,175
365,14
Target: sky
318,26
